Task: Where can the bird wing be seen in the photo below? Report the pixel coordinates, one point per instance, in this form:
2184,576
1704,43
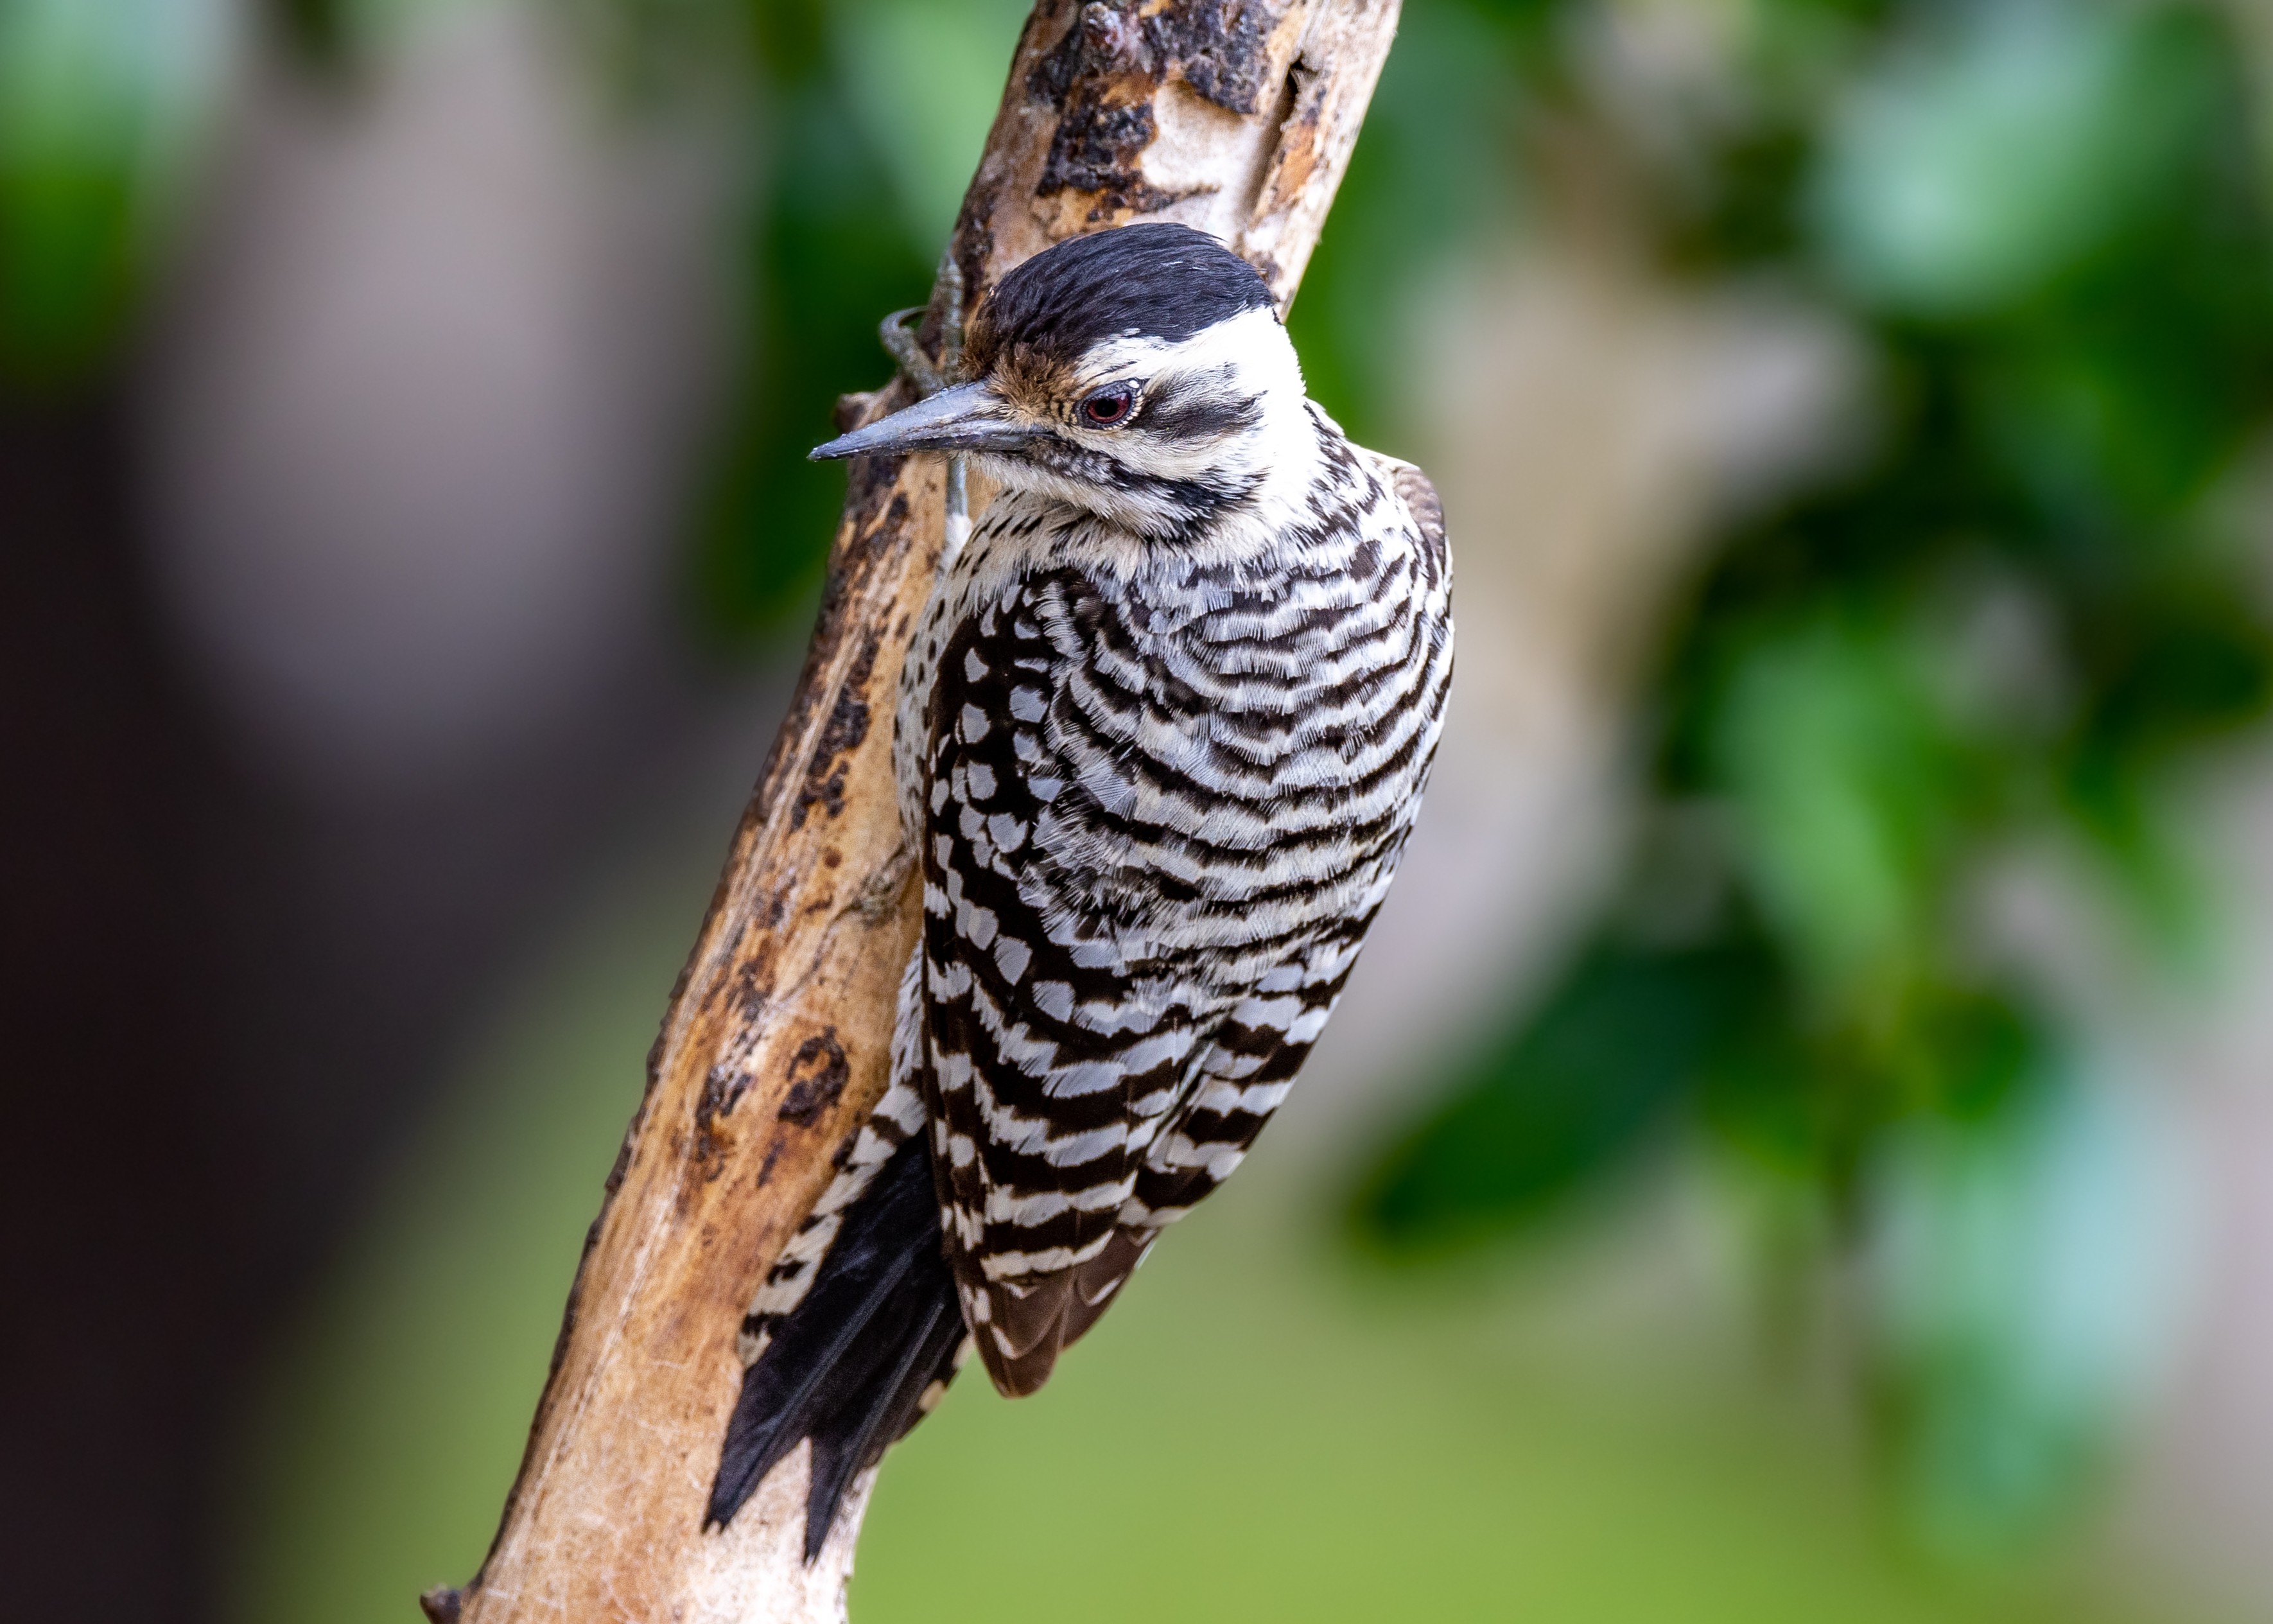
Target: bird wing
1415,489
1241,1078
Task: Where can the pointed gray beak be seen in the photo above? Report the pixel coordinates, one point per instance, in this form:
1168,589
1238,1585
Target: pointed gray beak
970,417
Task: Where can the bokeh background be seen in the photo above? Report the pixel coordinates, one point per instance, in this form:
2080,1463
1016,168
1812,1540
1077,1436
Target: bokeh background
1800,1144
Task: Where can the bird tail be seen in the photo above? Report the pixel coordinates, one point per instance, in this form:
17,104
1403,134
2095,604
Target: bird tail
859,1359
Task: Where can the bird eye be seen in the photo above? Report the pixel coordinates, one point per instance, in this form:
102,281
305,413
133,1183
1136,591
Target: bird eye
1108,407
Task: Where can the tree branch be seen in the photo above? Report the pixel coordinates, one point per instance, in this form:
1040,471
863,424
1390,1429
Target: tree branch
1235,115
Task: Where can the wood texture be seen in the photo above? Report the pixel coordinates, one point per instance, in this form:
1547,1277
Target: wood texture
1235,115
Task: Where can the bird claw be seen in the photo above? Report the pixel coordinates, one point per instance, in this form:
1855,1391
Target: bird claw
898,333
899,340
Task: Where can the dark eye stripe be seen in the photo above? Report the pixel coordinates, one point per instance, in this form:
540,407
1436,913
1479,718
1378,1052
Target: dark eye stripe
1201,405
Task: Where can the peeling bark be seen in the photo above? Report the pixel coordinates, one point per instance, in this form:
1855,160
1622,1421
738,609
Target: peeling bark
1233,115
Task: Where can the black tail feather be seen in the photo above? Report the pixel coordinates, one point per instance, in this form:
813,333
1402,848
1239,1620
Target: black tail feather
848,1365
926,1355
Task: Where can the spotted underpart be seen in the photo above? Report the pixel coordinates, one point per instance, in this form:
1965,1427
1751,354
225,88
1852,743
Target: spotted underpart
1161,738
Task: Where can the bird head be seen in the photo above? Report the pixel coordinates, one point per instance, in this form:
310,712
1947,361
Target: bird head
1142,374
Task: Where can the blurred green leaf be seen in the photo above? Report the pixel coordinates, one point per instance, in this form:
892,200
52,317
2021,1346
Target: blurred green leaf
101,105
828,262
1998,144
866,136
1569,1095
2024,1271
1846,784
1436,168
927,78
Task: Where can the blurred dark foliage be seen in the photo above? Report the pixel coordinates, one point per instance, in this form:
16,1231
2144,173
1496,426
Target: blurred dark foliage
1438,167
1569,1091
2013,623
320,33
2019,614
76,121
829,257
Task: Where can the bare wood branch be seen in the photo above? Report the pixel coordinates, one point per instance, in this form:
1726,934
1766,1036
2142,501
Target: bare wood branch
1235,115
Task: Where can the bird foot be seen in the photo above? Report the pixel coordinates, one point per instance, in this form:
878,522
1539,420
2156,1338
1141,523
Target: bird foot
930,376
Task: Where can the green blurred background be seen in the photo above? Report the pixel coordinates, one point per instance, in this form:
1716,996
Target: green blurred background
1798,1147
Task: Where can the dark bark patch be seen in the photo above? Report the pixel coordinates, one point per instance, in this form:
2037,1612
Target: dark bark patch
1103,75
846,728
723,1088
822,1058
1216,46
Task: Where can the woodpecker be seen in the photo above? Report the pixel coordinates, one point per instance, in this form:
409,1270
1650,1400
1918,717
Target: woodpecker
1160,740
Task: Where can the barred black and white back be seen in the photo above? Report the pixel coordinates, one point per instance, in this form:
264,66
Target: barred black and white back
1161,738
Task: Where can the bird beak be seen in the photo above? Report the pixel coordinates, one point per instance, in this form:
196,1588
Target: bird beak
970,417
